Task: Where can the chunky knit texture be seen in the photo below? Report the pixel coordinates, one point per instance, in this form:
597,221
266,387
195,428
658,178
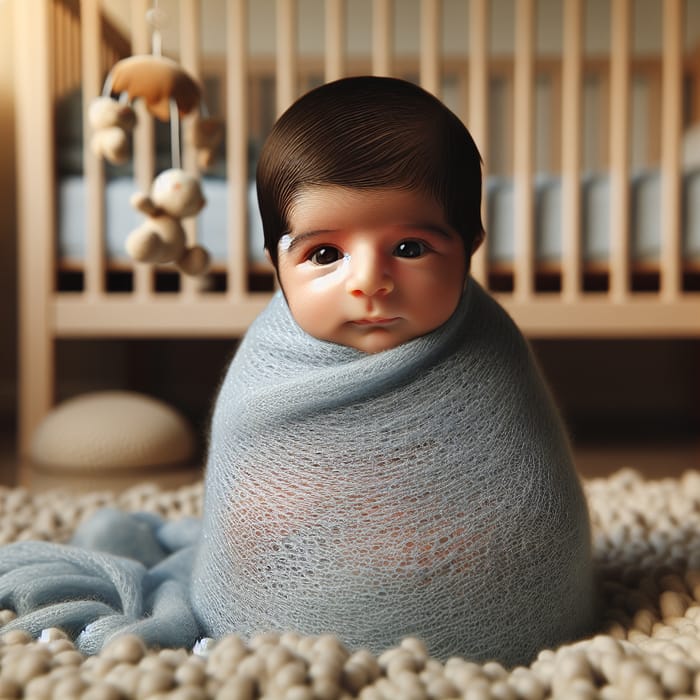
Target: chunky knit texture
427,491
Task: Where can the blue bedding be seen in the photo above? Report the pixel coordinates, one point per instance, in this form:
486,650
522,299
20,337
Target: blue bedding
645,220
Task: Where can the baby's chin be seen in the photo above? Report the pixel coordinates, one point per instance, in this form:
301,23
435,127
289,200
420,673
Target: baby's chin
373,341
373,345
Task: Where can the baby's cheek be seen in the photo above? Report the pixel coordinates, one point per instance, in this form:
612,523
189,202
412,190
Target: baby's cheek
330,279
319,318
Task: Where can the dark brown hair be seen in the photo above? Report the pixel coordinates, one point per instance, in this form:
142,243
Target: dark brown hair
370,132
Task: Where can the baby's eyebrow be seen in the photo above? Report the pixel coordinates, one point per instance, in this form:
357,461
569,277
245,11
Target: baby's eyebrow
297,239
289,241
428,226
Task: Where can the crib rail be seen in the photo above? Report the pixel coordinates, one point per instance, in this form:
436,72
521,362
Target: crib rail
86,62
72,42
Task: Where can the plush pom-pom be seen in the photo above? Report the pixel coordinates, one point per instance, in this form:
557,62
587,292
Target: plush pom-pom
195,261
105,112
112,144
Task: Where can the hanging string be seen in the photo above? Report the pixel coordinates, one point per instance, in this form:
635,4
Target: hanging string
157,19
174,134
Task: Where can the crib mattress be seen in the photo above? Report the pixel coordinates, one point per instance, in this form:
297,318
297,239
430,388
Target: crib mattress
212,223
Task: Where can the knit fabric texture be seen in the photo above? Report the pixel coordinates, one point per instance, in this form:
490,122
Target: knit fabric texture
427,490
121,574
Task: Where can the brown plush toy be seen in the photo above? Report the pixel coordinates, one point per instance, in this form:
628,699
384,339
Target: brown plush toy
175,195
160,82
206,135
156,80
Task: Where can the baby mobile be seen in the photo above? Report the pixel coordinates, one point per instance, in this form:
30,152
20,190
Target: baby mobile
168,93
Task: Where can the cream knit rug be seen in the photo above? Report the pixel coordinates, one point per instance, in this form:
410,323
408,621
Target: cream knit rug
647,549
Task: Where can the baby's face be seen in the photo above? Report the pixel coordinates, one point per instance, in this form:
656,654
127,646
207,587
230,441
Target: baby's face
370,269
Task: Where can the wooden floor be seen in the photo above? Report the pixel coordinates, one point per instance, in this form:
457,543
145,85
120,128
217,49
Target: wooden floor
655,460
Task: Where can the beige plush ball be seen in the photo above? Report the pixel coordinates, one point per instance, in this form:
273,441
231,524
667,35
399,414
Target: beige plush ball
177,193
113,431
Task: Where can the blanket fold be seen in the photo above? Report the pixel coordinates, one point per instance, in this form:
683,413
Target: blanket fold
122,573
427,490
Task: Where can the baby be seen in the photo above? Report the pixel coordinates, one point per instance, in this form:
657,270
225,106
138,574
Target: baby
370,195
385,459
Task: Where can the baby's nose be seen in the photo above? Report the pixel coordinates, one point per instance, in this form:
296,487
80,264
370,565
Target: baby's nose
369,274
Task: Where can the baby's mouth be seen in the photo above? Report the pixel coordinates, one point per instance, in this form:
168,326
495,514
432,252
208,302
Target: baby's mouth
376,321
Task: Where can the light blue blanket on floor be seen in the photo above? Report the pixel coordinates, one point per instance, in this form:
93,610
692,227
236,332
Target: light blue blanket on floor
122,573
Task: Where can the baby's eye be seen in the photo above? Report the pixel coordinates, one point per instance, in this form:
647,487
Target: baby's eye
325,255
409,249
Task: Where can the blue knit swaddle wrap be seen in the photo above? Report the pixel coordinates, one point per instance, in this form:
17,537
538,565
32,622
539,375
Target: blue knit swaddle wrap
122,573
427,490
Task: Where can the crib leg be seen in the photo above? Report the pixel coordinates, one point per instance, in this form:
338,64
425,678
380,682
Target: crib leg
36,383
36,221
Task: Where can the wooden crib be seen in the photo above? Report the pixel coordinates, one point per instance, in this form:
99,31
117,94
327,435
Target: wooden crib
67,44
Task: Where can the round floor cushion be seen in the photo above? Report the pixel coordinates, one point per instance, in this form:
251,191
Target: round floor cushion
113,432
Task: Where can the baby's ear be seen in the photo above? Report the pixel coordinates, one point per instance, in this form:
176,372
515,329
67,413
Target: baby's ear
269,257
478,240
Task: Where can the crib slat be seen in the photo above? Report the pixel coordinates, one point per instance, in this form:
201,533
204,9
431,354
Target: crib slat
93,168
59,16
523,134
671,124
286,53
479,114
144,140
335,40
190,59
36,242
190,51
237,148
619,149
75,55
572,85
653,80
430,34
382,37
694,76
70,30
